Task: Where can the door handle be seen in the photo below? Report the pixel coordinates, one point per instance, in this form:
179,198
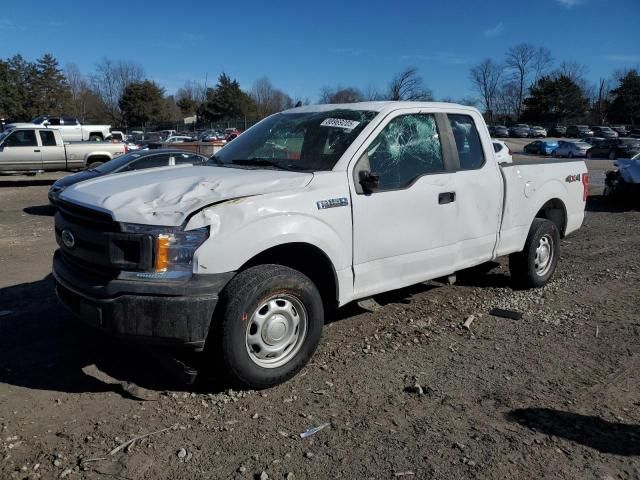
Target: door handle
446,197
38,151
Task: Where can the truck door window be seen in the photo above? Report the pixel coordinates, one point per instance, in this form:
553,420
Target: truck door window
185,158
47,138
149,162
69,120
22,138
53,121
468,143
407,148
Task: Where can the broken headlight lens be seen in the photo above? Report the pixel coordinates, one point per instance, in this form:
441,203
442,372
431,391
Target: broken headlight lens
173,250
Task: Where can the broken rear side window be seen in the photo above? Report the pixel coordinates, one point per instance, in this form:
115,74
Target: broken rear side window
468,143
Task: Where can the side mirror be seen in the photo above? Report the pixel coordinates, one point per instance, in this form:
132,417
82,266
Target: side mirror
369,181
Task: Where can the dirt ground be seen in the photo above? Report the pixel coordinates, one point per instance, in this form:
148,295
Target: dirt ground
408,391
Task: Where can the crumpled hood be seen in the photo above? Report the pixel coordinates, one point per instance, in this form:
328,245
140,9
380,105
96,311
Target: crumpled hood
167,196
629,170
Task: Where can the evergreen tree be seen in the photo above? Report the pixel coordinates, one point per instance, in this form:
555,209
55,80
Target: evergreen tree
141,103
625,107
555,99
50,88
226,100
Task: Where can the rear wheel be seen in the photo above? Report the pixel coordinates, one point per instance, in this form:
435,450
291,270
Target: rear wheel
270,323
95,138
535,265
94,165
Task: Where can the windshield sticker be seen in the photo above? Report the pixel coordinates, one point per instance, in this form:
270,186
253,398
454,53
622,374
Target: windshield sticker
340,123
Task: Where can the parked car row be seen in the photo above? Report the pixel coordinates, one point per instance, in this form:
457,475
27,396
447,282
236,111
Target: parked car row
611,148
523,130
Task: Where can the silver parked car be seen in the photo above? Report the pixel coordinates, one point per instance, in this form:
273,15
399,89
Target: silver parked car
537,132
571,149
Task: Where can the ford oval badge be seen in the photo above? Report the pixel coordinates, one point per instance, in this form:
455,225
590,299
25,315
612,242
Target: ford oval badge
68,239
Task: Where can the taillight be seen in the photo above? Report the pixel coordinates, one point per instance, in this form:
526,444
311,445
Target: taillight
585,186
509,150
126,148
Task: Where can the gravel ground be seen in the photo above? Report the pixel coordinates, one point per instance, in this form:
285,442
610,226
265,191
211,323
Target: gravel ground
407,391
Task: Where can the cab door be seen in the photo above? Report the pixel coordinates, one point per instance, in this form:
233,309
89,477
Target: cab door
53,155
479,190
21,151
71,129
405,224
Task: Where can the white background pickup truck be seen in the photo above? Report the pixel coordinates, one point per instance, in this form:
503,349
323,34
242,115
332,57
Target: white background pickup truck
308,210
33,149
70,128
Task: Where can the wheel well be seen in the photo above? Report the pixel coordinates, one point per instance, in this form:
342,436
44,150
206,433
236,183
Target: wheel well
309,260
555,211
96,134
97,158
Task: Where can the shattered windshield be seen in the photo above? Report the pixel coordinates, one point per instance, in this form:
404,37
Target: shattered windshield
311,141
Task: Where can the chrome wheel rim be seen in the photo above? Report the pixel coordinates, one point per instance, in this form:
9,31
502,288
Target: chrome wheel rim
276,331
544,255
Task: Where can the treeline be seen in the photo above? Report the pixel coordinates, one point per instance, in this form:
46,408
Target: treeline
119,93
528,85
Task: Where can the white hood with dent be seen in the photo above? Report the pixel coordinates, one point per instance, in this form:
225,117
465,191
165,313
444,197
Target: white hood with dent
167,196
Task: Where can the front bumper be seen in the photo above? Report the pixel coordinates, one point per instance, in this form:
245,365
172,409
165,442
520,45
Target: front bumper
166,313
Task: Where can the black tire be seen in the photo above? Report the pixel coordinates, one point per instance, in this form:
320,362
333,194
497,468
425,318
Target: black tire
93,165
524,266
244,297
612,155
570,154
589,154
95,138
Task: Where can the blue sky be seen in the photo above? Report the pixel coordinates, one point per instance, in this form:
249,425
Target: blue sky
302,46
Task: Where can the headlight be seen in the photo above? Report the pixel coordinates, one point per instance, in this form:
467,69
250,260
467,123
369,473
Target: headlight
173,250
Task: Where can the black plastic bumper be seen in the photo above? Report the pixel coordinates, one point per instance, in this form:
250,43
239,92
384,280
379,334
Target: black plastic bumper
167,313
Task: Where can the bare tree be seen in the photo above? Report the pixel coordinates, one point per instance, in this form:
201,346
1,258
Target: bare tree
340,95
408,85
372,94
110,80
269,99
85,103
507,99
601,100
77,85
190,96
542,62
572,70
526,64
486,80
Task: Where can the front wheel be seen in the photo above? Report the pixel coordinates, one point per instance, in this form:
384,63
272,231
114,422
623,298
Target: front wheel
270,323
534,266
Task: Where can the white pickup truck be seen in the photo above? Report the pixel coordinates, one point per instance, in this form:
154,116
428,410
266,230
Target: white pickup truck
35,149
70,128
310,209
